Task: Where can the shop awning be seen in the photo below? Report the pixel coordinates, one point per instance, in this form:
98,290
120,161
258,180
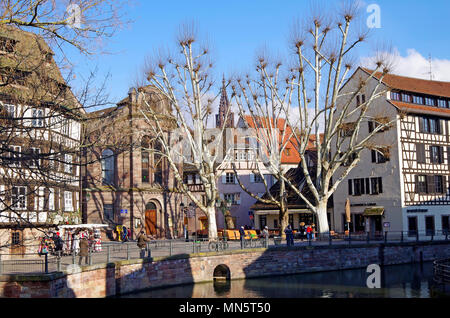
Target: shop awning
375,211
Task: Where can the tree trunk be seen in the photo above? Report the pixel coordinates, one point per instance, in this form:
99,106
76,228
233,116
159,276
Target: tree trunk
323,227
284,221
212,224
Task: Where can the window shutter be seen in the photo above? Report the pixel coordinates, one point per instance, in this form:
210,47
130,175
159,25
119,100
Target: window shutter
380,185
368,186
416,182
441,154
221,196
374,156
252,178
363,188
420,148
430,185
440,126
370,126
350,187
420,119
224,178
235,179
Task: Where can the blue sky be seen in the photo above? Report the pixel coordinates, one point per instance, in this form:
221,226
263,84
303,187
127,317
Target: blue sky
236,29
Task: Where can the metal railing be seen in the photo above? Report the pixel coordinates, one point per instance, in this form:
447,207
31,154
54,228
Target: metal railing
118,251
441,270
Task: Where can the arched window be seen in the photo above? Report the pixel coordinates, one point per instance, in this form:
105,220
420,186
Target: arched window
108,167
145,159
157,163
150,206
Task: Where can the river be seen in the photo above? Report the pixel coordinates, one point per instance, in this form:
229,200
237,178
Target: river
397,281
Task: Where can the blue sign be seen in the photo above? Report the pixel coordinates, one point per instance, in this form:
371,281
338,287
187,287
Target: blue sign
124,211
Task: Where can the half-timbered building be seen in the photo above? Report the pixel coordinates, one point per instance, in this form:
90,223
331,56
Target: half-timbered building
405,186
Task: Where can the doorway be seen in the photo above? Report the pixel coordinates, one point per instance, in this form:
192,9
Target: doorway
151,219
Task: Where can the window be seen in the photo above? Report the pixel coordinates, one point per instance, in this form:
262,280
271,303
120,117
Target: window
108,167
442,103
421,184
358,187
412,225
145,159
420,153
16,238
376,185
34,157
108,212
14,155
430,101
262,221
378,157
275,224
417,99
68,206
51,199
65,127
438,184
157,164
445,224
395,96
10,110
19,199
436,154
38,118
229,178
68,168
430,125
429,225
234,198
256,178
406,98
360,99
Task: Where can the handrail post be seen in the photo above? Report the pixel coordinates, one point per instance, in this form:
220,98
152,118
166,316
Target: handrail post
128,251
58,261
170,247
385,236
330,238
266,241
368,237
46,263
417,236
349,238
149,252
108,254
73,257
193,246
401,236
90,256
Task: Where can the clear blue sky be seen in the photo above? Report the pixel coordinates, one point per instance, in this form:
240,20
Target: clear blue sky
237,28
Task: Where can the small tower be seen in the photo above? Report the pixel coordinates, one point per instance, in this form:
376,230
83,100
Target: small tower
224,108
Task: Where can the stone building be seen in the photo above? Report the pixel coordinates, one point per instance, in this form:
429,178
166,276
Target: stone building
40,143
125,180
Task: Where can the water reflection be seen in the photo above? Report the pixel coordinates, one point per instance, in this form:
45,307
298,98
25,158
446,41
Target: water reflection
399,281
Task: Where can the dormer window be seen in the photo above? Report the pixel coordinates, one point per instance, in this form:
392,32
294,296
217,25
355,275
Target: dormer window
395,96
442,103
429,101
406,98
418,100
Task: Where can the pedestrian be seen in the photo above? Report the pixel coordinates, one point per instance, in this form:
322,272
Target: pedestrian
289,235
142,243
76,244
302,230
313,231
308,232
125,234
242,236
84,250
265,232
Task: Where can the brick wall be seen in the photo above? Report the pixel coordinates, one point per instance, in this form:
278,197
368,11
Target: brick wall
129,276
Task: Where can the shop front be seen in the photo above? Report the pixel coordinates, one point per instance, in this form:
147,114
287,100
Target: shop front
374,220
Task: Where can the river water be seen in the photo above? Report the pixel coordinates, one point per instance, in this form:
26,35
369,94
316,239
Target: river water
397,281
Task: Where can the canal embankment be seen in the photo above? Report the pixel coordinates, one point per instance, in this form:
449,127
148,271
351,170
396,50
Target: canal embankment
129,276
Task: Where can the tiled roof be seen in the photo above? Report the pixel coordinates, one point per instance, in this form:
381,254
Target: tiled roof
415,85
294,156
420,108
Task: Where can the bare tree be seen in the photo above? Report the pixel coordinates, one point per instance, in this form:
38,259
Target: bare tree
184,82
82,24
313,85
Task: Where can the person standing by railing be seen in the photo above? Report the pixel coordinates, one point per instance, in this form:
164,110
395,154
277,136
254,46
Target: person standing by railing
242,236
142,243
84,251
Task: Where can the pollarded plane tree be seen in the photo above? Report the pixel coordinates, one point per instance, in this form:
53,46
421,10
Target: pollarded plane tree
269,133
185,83
327,115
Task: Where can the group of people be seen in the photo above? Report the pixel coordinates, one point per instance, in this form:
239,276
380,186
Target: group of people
307,231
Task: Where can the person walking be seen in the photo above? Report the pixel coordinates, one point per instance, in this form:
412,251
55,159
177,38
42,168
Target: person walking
242,236
76,244
84,251
302,231
265,235
313,231
142,243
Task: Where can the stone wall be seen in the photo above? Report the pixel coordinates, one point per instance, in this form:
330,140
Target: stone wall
129,276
